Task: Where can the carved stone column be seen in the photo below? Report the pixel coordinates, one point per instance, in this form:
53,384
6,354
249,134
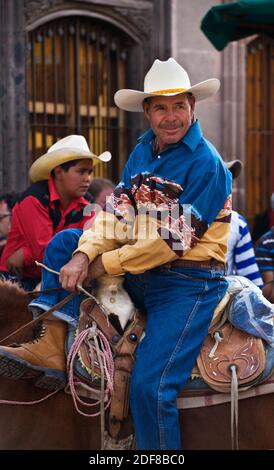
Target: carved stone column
13,105
161,30
233,114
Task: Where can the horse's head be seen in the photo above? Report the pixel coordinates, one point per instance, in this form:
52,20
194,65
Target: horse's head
13,310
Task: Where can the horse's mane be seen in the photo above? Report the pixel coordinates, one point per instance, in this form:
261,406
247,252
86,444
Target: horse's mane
13,295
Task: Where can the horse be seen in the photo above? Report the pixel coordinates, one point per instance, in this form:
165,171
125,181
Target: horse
52,424
55,425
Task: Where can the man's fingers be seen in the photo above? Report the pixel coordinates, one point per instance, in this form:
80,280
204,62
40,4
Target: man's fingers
71,280
69,283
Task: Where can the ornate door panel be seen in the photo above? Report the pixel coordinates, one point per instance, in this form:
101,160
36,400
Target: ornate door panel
259,121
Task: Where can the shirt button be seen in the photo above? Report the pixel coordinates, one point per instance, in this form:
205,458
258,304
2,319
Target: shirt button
159,156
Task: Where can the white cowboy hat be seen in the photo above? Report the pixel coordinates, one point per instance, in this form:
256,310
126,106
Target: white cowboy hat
235,167
165,78
72,147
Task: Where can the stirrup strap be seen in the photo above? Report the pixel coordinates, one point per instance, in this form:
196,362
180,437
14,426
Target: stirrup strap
124,361
41,317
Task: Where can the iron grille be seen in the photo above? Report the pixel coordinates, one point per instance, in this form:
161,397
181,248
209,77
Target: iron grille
75,65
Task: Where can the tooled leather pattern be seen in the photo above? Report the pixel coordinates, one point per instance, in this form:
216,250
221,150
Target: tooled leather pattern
237,347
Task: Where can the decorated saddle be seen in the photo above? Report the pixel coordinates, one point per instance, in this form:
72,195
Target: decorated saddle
229,353
122,347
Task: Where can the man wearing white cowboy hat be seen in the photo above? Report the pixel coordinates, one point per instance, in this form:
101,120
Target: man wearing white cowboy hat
176,275
172,252
54,201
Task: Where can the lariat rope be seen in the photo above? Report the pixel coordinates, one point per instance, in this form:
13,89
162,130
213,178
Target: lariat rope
36,402
103,354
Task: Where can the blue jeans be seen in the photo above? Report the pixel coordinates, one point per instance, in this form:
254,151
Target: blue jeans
179,303
57,254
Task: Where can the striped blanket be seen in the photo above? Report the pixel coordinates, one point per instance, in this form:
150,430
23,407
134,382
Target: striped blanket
210,398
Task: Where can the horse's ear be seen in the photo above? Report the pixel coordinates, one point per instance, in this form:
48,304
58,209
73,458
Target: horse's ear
12,289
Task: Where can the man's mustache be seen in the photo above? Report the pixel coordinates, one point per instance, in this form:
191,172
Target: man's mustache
171,127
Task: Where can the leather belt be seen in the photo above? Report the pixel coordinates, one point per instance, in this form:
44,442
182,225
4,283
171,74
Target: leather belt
206,264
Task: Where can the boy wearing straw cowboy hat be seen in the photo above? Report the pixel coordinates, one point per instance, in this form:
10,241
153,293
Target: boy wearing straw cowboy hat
55,201
170,218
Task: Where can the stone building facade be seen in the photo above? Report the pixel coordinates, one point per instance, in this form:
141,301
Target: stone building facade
146,29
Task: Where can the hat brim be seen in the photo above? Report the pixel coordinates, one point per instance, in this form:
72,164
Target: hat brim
42,167
132,100
235,167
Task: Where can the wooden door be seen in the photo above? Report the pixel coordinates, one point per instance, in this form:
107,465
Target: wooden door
259,122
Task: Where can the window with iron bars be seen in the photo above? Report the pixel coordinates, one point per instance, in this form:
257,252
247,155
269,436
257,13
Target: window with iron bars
75,65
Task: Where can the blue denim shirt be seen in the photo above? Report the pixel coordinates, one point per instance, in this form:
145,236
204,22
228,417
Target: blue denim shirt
182,192
190,172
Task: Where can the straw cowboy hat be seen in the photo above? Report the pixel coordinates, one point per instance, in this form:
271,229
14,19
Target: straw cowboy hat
235,167
72,147
165,78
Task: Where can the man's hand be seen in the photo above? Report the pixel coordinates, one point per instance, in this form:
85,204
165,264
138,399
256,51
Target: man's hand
15,263
74,272
95,270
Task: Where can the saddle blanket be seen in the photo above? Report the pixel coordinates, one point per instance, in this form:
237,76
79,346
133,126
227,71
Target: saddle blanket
210,398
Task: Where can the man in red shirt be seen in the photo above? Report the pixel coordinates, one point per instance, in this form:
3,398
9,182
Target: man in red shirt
55,201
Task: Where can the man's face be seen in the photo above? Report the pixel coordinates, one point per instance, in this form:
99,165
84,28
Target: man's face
170,117
74,182
5,219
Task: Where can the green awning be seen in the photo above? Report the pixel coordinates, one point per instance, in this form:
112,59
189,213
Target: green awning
237,20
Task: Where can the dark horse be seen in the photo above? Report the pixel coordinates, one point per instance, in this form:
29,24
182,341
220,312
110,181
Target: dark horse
54,423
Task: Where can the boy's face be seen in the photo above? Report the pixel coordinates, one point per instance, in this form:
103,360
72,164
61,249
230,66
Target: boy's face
75,181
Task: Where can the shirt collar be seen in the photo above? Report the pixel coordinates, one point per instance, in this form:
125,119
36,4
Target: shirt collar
147,137
53,194
191,139
193,136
